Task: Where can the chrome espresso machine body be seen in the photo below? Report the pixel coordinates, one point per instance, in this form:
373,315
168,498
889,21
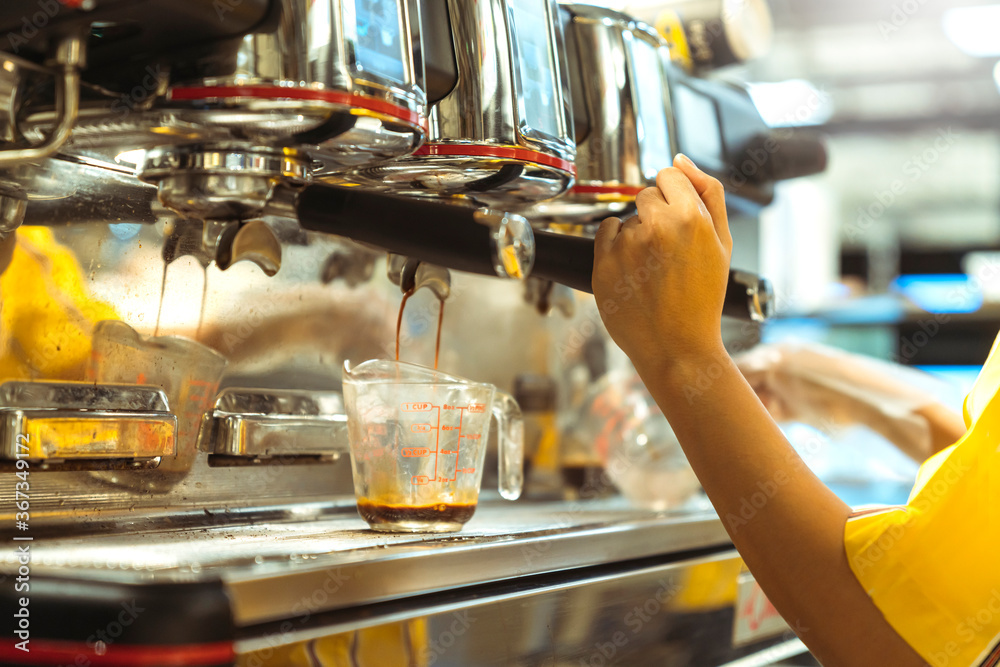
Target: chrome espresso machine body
196,201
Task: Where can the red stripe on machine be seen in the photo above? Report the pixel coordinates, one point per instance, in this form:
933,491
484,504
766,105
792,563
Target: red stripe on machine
288,93
627,190
501,152
52,652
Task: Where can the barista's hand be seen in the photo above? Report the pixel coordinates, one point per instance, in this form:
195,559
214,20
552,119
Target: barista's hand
660,278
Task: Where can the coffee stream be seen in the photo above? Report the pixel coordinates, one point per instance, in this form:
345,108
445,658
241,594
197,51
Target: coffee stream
387,516
399,326
204,301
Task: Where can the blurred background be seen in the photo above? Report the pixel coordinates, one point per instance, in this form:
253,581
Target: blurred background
892,250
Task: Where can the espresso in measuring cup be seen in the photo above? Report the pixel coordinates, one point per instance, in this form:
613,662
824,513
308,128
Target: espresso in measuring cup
418,442
440,518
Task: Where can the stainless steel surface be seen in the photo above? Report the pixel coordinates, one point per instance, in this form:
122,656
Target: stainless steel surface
494,138
82,188
412,274
228,182
345,109
512,242
11,214
268,567
296,85
253,242
274,424
352,263
77,421
79,396
499,180
487,109
772,655
629,114
675,613
69,59
760,295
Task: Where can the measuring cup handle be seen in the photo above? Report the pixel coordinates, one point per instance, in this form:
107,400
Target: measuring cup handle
510,445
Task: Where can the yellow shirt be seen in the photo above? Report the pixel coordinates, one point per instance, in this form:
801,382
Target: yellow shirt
933,566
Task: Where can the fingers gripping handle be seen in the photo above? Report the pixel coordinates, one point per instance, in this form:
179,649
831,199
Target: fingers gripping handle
510,445
569,260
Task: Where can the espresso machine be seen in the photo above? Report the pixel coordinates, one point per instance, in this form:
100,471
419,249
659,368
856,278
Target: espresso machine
206,209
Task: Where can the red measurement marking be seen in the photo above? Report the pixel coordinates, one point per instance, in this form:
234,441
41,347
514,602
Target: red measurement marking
437,443
467,470
376,429
470,437
448,451
421,428
420,480
451,428
475,408
416,407
415,451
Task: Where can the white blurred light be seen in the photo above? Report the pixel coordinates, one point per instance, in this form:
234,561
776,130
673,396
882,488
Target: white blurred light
974,30
791,103
131,157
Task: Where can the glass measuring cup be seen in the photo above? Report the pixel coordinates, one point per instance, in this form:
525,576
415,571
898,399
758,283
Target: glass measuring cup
187,371
418,441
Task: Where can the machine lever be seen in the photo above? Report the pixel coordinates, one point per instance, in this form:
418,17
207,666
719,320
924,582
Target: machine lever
481,241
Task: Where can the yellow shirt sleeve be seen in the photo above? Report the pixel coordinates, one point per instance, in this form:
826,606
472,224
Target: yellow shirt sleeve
933,566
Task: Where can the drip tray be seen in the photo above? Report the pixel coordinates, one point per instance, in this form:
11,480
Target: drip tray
267,567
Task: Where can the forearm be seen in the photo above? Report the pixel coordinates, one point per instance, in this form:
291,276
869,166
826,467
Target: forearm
786,524
947,426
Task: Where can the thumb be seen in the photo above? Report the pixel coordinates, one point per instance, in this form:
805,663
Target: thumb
711,192
606,235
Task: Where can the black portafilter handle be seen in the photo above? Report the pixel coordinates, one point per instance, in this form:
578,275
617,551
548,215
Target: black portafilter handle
481,241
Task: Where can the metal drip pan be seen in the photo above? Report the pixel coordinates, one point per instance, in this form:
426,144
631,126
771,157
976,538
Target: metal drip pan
267,567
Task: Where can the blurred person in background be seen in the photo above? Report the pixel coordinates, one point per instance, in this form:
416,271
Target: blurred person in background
47,314
897,586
